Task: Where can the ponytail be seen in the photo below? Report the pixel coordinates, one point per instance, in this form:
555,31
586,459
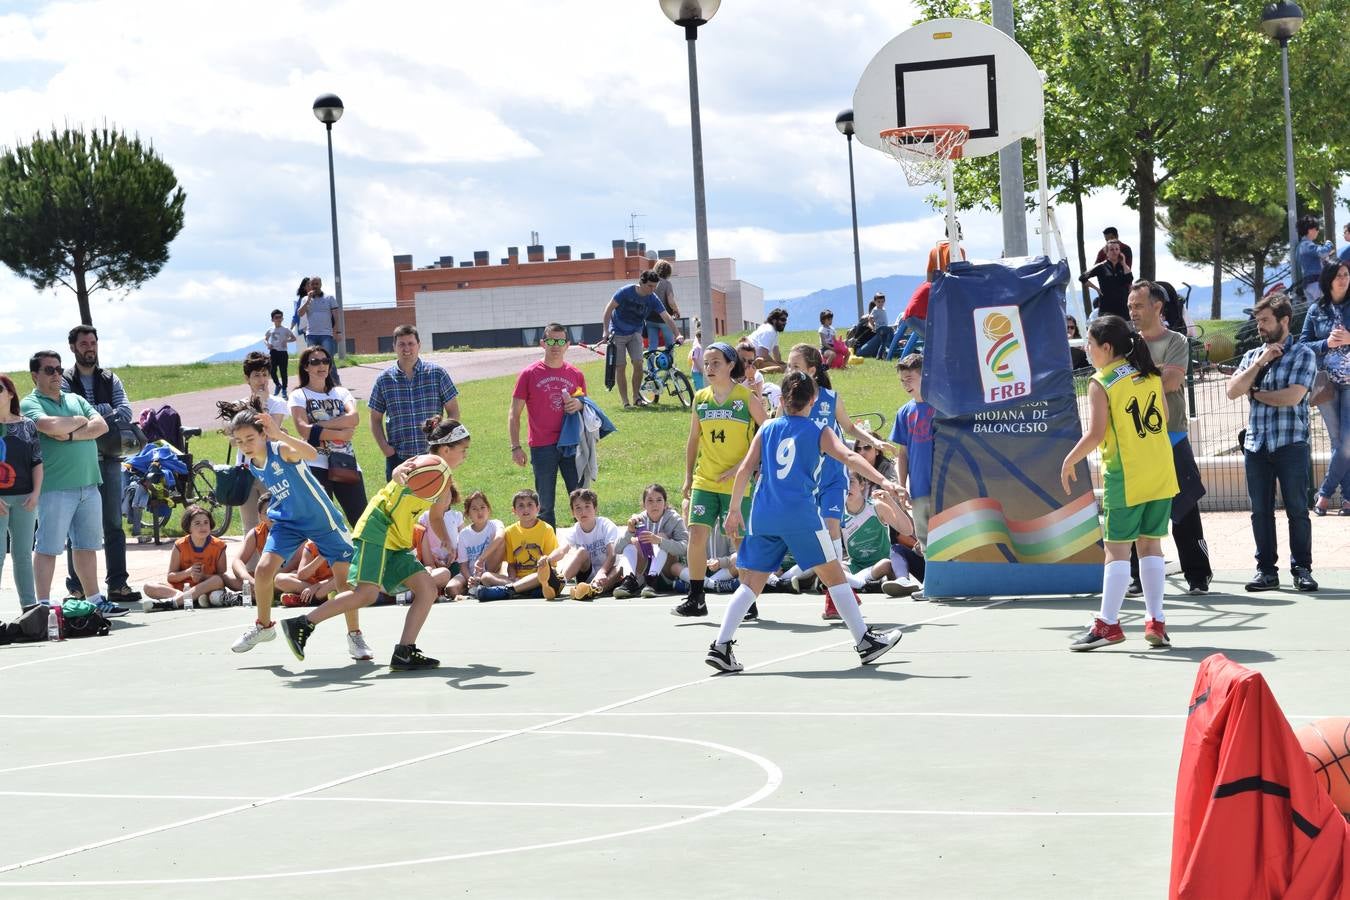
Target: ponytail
1140,357
1113,332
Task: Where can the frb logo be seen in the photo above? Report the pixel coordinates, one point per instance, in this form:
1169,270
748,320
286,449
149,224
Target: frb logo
1005,370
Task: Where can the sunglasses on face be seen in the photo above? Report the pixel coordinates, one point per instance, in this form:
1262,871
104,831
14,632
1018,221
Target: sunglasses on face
50,370
318,361
555,342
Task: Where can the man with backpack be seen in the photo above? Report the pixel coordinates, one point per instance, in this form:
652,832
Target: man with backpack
103,390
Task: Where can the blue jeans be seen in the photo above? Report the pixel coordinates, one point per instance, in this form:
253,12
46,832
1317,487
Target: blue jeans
327,342
1289,466
547,464
114,538
20,524
391,463
659,336
876,345
1337,416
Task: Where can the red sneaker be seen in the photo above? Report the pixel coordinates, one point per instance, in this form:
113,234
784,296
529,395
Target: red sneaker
1155,633
1099,635
292,600
830,614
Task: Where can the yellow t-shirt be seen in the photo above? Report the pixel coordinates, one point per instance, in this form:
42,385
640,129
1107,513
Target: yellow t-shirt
725,430
1137,464
390,516
526,546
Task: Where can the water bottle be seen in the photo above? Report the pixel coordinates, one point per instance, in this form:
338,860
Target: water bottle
188,603
56,622
248,594
403,598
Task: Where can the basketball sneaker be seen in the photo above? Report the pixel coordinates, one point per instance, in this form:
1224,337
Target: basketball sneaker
297,632
775,585
357,648
628,588
549,582
876,644
1155,633
1099,635
831,613
583,591
752,614
291,601
721,658
257,634
804,582
489,592
900,587
407,658
690,607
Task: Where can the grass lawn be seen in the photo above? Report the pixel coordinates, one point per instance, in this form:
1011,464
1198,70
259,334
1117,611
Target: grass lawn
648,446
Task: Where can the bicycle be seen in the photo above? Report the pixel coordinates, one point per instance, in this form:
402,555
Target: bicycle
663,376
196,486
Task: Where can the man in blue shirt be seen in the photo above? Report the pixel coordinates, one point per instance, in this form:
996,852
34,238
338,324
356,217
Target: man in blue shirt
408,393
1276,378
623,322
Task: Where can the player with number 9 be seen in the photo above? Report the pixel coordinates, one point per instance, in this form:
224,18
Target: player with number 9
1128,414
784,517
724,420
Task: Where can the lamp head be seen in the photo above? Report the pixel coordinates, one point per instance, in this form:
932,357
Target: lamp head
844,122
1281,21
328,108
690,12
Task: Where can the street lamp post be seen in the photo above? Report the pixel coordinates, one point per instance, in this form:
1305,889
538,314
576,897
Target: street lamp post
328,109
690,14
844,122
1280,22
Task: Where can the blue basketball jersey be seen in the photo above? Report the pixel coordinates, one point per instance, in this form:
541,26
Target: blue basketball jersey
298,500
789,457
823,414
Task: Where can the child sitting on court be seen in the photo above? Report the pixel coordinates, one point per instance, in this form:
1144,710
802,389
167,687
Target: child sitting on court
587,552
441,559
198,571
475,540
311,583
652,549
525,547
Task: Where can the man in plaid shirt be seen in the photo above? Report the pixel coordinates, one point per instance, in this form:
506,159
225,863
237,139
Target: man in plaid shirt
407,394
1276,378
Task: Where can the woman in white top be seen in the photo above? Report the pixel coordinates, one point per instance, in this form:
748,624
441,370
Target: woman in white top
325,415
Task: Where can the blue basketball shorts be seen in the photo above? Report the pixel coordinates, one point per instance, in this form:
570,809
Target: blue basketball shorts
334,546
765,552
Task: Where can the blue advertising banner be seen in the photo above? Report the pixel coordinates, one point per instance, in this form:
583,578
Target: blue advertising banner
996,367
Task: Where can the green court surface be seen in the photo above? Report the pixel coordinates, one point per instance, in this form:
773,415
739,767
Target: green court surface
585,750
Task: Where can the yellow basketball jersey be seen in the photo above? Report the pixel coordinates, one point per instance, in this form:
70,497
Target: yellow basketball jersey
725,430
1136,454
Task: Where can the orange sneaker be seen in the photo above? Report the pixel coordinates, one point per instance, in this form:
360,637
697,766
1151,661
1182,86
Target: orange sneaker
1155,633
292,600
549,582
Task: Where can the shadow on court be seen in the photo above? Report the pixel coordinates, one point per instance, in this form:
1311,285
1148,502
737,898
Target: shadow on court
359,675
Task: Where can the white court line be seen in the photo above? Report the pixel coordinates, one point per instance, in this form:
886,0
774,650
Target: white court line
64,657
784,810
769,787
730,714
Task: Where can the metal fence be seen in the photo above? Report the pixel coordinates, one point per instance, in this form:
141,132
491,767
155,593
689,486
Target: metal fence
1214,422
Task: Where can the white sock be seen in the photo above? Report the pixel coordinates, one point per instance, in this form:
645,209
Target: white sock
1115,579
740,602
790,573
847,604
1151,577
838,548
856,580
899,565
720,575
684,573
658,563
627,561
96,599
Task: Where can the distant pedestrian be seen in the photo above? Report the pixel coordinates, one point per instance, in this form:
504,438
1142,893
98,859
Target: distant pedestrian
322,311
278,339
1276,377
1113,280
408,393
1310,257
623,320
1109,233
299,321
658,333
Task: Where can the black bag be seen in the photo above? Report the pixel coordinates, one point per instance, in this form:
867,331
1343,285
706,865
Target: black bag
31,626
233,484
95,624
121,439
342,468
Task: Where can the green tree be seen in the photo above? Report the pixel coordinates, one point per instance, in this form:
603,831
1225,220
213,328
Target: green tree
1238,238
88,212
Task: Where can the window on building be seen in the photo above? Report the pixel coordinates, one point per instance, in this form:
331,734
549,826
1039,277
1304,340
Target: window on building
386,343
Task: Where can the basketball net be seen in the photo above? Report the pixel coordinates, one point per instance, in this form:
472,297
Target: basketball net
924,151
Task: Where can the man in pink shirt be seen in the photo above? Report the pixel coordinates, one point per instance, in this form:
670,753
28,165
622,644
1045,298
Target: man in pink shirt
547,391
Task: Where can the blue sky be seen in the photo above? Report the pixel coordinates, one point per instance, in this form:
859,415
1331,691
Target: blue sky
467,127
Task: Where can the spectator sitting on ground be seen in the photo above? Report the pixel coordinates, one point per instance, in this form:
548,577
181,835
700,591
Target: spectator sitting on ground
198,569
1077,355
312,582
876,345
764,340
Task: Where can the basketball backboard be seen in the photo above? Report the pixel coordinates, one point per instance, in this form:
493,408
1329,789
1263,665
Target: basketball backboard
951,72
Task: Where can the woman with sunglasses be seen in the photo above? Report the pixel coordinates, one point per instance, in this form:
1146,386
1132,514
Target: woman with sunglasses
325,415
20,486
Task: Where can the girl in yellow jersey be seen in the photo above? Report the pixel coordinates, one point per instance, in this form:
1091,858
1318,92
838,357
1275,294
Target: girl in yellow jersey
384,559
725,418
1129,421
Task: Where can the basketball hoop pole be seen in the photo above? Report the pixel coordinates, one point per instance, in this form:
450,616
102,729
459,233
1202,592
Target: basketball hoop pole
1043,190
953,238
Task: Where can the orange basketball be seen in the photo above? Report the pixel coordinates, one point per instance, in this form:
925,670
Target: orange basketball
429,476
1327,743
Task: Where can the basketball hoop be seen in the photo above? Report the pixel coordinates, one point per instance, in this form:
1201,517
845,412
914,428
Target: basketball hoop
924,150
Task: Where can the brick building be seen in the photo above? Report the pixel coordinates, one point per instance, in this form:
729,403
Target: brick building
476,304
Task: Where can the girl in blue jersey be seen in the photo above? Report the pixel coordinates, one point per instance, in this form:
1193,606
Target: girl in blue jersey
784,516
300,510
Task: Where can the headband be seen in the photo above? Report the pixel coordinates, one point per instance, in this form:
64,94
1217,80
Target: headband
457,434
726,350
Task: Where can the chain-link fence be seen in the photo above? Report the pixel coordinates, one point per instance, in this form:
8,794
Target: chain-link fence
1214,422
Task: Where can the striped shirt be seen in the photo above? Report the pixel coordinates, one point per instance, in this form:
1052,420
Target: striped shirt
1272,427
406,402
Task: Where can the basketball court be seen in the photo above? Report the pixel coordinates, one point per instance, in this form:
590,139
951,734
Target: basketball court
585,750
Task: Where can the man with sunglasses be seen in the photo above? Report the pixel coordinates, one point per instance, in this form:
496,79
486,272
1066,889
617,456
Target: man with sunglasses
70,508
548,391
623,320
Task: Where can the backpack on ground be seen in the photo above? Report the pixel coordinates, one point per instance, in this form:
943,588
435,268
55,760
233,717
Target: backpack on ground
82,619
163,424
29,627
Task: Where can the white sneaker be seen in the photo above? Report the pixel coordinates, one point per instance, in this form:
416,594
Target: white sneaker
900,587
876,644
255,635
357,646
215,598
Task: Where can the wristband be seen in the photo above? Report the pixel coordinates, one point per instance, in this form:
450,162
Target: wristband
315,433
515,447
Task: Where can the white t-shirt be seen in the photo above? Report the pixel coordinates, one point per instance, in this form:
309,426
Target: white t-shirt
454,521
322,407
276,408
765,337
596,542
773,395
471,544
277,338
